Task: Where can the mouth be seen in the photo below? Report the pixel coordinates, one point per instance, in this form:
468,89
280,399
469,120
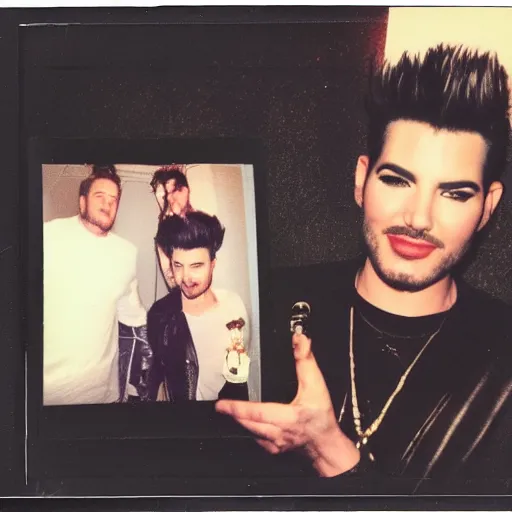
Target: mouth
410,248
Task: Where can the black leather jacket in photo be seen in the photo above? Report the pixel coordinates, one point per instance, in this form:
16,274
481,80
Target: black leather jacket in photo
135,359
175,360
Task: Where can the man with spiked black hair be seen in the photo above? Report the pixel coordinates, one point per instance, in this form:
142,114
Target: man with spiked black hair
411,371
196,331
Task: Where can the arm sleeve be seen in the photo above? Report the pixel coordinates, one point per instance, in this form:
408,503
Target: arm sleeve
155,371
130,310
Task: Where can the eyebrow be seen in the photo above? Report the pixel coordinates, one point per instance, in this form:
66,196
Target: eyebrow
408,175
102,192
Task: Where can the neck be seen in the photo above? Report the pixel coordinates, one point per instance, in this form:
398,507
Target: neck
200,304
95,230
435,299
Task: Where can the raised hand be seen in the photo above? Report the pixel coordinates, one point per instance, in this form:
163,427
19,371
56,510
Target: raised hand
307,423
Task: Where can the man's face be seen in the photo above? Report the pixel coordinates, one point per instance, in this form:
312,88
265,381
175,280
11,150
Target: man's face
193,271
177,198
99,208
423,201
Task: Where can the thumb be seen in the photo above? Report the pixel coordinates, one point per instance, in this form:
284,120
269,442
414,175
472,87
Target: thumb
301,346
309,376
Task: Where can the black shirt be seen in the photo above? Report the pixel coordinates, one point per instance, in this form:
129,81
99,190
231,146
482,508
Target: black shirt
448,429
384,341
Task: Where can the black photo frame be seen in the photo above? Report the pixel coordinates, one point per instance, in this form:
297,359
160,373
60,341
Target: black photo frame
62,430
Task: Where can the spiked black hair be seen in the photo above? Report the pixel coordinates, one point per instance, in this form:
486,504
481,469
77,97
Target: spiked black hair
195,230
452,88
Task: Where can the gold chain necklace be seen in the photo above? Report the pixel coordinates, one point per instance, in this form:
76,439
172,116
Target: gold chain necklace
364,435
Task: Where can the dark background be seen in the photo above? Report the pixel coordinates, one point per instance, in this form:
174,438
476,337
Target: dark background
291,77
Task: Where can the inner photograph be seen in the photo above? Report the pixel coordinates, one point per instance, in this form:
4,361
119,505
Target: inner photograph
152,271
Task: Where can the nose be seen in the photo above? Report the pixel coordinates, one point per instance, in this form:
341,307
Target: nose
418,212
187,276
108,202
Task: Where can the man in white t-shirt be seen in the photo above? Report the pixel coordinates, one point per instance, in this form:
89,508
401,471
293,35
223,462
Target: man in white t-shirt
90,285
196,332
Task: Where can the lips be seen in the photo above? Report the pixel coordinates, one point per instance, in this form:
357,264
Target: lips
409,248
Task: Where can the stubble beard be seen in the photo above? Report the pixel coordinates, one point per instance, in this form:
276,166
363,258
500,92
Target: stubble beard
402,281
87,217
196,295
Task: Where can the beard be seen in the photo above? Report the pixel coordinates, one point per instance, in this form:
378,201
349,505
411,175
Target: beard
196,291
403,281
103,224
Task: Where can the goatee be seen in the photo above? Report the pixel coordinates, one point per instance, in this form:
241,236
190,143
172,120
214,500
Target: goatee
402,281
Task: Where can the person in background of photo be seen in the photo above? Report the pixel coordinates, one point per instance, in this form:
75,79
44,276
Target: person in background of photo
90,285
198,334
172,193
404,370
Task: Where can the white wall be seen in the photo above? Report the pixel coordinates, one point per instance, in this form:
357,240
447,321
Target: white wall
60,190
137,220
415,29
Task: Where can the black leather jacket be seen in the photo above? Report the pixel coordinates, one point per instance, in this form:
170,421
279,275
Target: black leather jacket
175,360
135,359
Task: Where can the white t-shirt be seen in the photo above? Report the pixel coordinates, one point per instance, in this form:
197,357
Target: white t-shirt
89,285
211,339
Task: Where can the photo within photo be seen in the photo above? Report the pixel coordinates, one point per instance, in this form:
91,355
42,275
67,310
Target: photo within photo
150,283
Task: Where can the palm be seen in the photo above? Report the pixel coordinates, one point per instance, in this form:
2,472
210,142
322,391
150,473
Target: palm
281,427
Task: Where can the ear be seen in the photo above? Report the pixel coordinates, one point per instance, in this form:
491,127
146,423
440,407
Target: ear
82,204
360,178
214,261
165,261
492,200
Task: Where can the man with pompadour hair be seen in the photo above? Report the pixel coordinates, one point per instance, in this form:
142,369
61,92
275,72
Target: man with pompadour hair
198,333
402,369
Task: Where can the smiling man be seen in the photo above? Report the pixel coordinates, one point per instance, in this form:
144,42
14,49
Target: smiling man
405,370
90,285
194,328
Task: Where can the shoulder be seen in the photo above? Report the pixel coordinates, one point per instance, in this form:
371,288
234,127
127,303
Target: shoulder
482,307
59,225
168,304
122,243
230,299
487,321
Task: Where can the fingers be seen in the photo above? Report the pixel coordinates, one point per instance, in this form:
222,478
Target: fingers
268,445
266,431
274,413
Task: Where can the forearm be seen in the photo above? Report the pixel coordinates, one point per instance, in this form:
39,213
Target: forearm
333,454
